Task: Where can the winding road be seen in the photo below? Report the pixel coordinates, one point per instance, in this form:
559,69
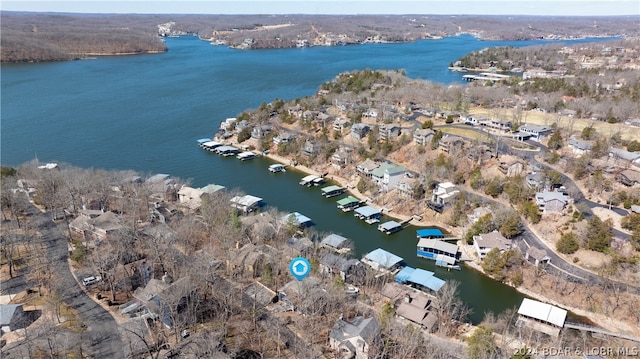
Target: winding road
101,338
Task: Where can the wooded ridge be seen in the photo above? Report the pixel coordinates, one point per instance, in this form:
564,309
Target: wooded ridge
30,37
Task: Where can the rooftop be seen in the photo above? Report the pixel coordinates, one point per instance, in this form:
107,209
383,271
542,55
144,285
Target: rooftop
384,258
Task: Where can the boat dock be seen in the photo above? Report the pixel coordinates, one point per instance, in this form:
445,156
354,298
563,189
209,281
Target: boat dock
312,180
227,151
349,203
332,191
390,227
247,155
368,214
277,167
210,145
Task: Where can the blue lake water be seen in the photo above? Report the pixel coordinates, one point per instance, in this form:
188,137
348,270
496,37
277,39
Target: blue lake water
145,112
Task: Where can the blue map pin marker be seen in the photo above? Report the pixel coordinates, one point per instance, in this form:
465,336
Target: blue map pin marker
300,268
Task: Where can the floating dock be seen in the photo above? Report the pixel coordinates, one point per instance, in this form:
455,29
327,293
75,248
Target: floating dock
368,214
390,227
332,191
247,155
311,180
349,203
276,167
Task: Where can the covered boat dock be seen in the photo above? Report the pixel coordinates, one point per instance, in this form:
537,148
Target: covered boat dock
368,214
332,191
390,227
349,203
420,277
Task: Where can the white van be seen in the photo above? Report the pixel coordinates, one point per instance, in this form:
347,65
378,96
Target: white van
91,280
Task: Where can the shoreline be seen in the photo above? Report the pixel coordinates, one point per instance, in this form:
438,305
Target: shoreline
353,191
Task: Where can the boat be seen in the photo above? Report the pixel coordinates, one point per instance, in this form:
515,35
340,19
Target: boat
389,227
247,155
348,204
277,167
311,180
332,191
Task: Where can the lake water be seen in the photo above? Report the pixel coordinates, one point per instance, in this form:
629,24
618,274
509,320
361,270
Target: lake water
145,112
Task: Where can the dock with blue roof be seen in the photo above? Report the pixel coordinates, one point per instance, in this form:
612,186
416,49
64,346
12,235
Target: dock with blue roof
419,278
368,214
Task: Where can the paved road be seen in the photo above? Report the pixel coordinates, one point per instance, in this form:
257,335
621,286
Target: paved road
101,339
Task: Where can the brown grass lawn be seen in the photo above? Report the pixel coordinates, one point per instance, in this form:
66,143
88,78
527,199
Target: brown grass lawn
538,118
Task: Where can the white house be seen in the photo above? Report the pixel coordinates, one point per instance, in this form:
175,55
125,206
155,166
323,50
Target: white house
444,193
538,133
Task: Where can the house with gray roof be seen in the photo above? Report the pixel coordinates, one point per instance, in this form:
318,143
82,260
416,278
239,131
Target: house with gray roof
388,132
624,155
336,243
485,243
423,136
628,177
12,317
331,264
579,147
536,132
359,131
366,167
551,201
353,339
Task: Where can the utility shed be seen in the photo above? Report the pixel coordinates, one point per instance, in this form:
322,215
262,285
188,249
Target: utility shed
380,259
420,277
542,316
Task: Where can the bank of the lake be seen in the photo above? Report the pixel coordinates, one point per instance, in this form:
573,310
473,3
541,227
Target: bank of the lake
145,112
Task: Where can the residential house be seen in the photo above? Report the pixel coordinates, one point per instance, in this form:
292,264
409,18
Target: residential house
261,131
444,193
537,132
310,148
12,317
411,304
284,137
406,185
498,125
165,298
96,229
367,167
387,175
359,131
551,201
159,185
423,136
579,147
371,114
331,265
475,120
353,339
480,153
192,197
484,243
536,256
521,136
512,168
253,259
388,132
381,260
336,243
628,177
295,111
535,180
340,124
624,155
478,213
228,124
246,203
340,159
299,246
451,144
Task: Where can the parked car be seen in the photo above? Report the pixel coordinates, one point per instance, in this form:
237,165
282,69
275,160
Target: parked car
91,280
